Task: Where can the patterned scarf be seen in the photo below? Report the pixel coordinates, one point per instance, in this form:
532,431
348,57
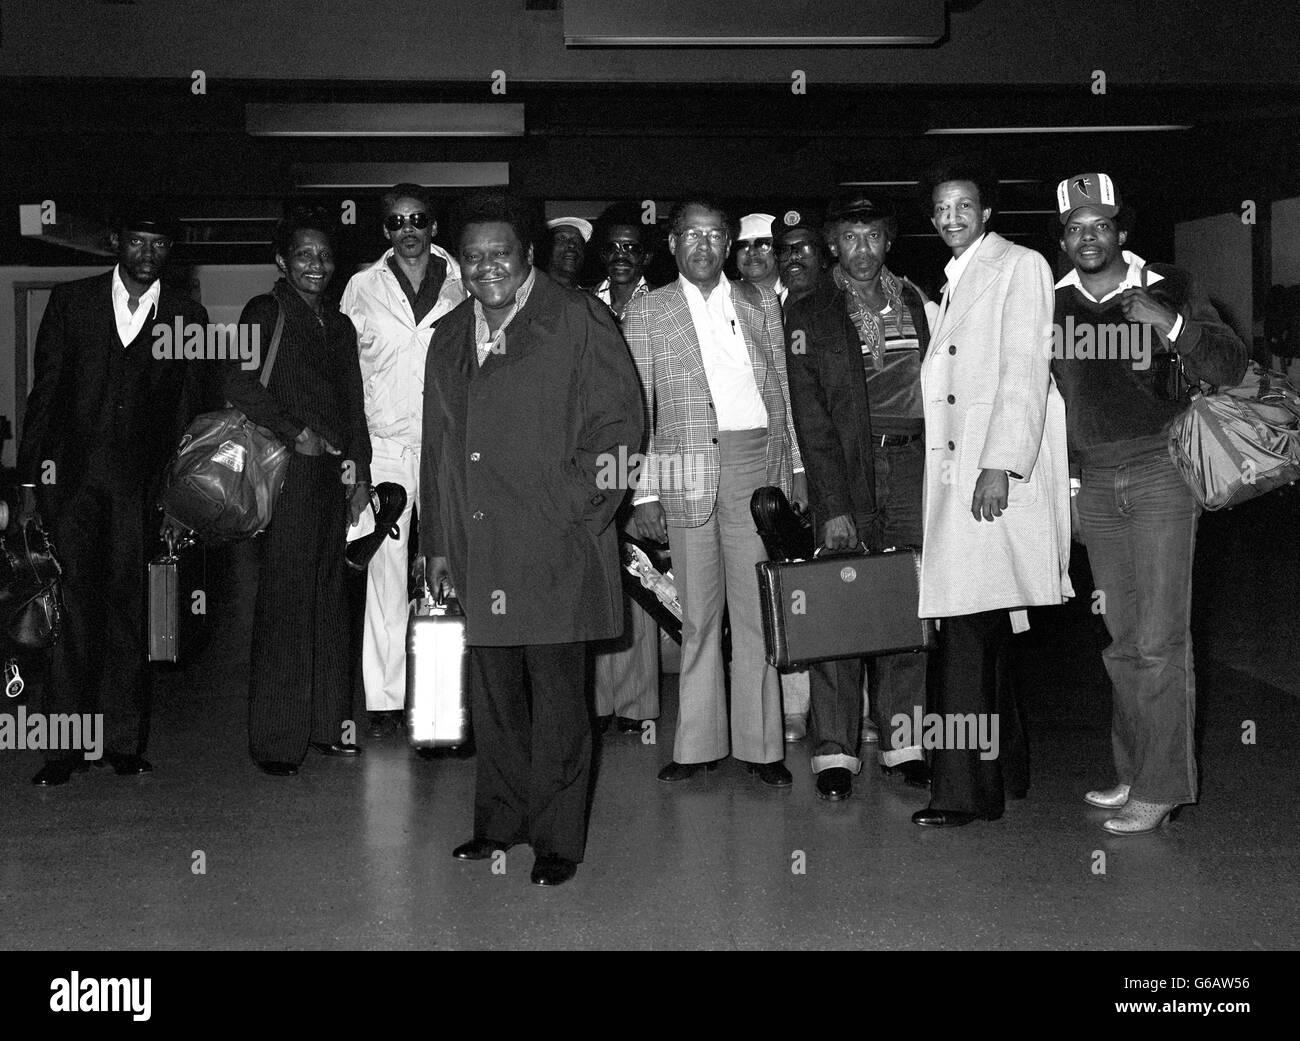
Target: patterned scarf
867,321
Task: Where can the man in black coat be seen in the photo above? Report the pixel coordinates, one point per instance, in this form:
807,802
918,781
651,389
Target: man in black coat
854,346
532,412
111,397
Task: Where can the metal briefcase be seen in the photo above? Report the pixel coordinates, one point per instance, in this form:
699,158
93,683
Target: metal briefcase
842,606
164,605
436,673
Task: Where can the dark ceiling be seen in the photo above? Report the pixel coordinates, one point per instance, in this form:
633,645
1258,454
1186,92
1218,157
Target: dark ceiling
90,123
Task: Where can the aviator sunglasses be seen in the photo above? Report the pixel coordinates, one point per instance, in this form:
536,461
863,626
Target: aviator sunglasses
419,221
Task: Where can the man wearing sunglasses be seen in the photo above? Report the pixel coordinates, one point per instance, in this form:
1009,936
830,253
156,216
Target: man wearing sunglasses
755,258
395,303
625,253
800,257
801,262
626,673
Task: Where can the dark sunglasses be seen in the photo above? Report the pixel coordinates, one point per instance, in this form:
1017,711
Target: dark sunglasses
805,248
613,249
419,221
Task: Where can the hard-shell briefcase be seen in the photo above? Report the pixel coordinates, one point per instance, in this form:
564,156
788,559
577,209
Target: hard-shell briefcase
175,624
842,606
436,673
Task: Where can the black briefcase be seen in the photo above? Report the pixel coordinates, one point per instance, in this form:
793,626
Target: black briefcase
842,606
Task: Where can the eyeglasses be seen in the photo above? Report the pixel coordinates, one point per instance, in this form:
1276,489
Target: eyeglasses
694,236
789,250
757,245
626,249
419,221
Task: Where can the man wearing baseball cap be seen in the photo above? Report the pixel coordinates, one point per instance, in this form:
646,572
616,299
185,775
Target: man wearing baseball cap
1134,511
800,255
567,249
755,259
801,263
105,412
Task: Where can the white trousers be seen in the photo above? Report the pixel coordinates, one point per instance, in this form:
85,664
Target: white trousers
383,646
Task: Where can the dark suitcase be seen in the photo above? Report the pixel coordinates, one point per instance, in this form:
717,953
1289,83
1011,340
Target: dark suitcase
842,606
436,668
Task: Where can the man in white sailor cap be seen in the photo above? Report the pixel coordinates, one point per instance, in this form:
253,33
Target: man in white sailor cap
755,257
567,249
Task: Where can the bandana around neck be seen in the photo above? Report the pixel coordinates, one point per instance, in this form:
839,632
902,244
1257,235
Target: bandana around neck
867,321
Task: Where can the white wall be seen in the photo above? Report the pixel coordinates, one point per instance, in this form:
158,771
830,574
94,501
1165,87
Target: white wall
1286,242
224,289
1216,250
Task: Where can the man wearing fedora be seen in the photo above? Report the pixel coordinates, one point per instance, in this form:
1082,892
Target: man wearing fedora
854,347
104,415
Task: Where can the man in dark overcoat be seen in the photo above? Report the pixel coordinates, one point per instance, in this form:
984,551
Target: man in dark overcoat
532,418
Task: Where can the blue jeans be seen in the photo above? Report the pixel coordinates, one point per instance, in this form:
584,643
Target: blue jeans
1139,524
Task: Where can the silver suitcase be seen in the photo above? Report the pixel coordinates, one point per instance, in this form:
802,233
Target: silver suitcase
164,608
436,673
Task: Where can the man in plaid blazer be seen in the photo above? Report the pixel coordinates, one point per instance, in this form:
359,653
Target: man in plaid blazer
710,354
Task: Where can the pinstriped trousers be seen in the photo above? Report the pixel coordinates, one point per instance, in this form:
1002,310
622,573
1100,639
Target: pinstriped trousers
299,683
713,565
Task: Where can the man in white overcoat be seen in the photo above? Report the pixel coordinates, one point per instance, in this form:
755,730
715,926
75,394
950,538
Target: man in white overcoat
996,509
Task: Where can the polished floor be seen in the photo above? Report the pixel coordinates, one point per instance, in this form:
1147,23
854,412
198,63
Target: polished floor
355,854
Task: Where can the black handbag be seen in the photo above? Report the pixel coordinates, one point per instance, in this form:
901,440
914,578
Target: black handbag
31,606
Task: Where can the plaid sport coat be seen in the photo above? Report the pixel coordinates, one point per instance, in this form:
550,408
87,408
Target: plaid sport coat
681,464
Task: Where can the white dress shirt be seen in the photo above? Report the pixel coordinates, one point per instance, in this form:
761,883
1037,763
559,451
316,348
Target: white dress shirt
1132,278
727,365
953,270
129,324
393,346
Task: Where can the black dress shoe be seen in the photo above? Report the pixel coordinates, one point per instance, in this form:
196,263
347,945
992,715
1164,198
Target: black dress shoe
479,849
276,768
128,765
932,818
914,773
676,771
58,771
627,726
338,748
834,784
384,722
549,870
774,775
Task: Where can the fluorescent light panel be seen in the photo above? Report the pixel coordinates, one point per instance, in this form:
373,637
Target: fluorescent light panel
1135,129
751,23
385,175
385,120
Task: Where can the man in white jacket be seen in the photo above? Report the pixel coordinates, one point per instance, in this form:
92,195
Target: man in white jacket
394,304
996,505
